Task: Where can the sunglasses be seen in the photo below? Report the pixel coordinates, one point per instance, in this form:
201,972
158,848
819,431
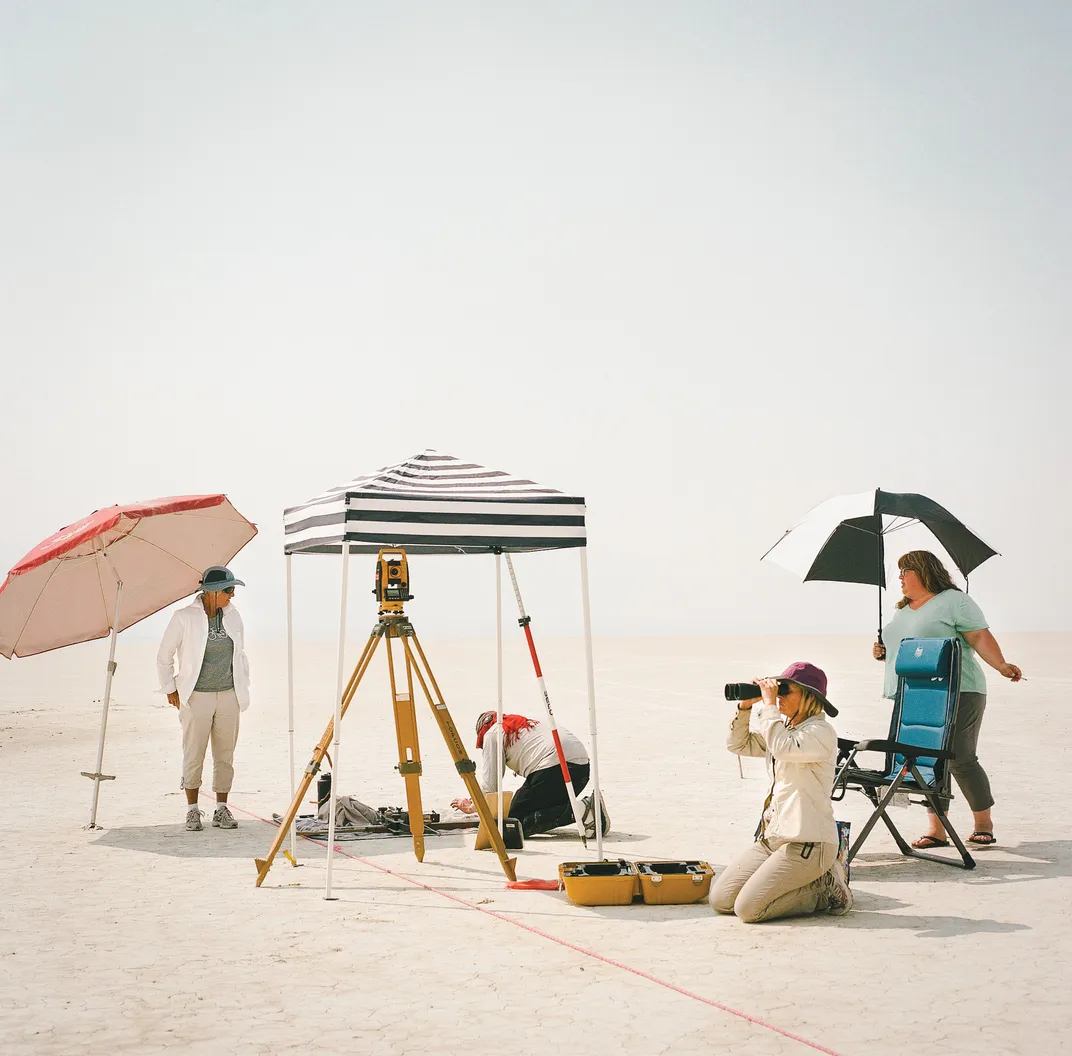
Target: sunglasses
227,590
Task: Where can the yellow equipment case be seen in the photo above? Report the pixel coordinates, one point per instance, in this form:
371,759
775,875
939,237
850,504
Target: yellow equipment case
674,883
599,883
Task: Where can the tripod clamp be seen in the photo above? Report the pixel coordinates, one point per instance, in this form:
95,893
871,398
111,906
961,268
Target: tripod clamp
394,625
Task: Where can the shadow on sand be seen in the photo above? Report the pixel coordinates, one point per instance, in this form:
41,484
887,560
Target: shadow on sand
994,865
869,913
249,840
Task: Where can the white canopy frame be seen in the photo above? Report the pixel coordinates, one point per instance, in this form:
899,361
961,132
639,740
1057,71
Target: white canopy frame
435,503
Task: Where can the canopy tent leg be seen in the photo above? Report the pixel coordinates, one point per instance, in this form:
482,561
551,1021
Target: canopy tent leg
290,705
590,667
97,777
524,622
500,744
338,721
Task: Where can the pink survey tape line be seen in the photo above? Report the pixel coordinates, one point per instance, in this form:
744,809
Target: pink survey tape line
569,945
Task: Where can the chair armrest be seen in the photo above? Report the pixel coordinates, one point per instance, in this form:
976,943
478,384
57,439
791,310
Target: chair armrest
913,751
845,745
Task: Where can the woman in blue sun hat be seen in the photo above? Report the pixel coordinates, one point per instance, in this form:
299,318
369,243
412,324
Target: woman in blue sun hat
204,671
792,868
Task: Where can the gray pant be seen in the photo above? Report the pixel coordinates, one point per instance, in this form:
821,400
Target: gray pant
774,878
966,768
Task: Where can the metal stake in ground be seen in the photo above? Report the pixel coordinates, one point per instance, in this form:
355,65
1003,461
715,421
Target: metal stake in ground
524,623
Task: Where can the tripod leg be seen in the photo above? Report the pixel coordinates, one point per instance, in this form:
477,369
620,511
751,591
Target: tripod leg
465,766
409,752
264,864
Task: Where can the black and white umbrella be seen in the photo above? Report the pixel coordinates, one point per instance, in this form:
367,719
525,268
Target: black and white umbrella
842,540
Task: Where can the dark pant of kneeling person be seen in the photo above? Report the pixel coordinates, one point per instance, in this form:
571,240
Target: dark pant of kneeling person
542,802
774,878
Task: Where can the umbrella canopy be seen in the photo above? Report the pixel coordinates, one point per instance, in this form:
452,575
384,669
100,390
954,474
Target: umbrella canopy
64,590
842,540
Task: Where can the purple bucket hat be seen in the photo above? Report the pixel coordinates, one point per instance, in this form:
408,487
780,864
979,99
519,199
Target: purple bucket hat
810,677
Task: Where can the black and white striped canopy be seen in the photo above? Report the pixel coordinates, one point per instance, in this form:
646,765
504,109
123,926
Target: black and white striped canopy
436,504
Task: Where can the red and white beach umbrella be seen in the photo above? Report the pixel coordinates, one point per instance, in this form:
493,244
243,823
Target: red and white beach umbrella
108,571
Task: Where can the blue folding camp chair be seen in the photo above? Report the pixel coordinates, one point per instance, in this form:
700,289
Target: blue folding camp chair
918,747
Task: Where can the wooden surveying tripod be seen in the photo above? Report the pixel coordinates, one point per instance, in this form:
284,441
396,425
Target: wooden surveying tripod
392,589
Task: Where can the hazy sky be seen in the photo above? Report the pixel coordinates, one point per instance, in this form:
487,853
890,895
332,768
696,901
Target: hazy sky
706,264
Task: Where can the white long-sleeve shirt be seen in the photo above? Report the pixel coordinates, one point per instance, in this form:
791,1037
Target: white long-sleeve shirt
800,762
533,749
185,640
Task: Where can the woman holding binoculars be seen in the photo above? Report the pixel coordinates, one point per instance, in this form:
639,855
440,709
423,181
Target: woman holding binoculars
792,869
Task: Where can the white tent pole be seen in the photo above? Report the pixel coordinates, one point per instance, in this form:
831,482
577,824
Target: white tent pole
500,745
591,702
567,779
290,703
338,718
97,776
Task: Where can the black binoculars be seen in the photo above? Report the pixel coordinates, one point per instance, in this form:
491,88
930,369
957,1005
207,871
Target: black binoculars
749,690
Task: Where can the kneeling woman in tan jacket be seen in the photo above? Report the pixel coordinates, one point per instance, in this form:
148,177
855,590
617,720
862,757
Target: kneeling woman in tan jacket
792,868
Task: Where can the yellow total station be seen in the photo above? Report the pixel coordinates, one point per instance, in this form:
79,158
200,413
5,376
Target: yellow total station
392,581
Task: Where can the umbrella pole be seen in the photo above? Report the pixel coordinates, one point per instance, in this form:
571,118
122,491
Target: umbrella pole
290,704
97,777
524,623
881,580
338,721
500,745
590,668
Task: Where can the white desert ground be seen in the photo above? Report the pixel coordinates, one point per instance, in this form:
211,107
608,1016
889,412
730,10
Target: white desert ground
141,937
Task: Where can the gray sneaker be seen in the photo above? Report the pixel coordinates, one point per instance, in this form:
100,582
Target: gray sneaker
589,816
222,818
837,890
193,819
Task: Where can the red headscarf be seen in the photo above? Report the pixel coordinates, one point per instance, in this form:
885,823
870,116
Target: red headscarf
512,726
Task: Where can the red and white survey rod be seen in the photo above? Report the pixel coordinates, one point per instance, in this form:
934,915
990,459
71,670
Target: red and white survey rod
524,622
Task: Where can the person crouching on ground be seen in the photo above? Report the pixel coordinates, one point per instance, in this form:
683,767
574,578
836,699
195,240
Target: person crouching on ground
526,746
792,868
210,688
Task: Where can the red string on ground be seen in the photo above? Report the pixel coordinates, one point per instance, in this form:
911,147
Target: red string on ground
562,942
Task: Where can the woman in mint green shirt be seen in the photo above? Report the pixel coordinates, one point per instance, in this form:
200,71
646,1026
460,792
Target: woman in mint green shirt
932,607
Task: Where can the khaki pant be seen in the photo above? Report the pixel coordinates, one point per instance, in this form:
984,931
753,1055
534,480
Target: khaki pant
209,716
774,878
